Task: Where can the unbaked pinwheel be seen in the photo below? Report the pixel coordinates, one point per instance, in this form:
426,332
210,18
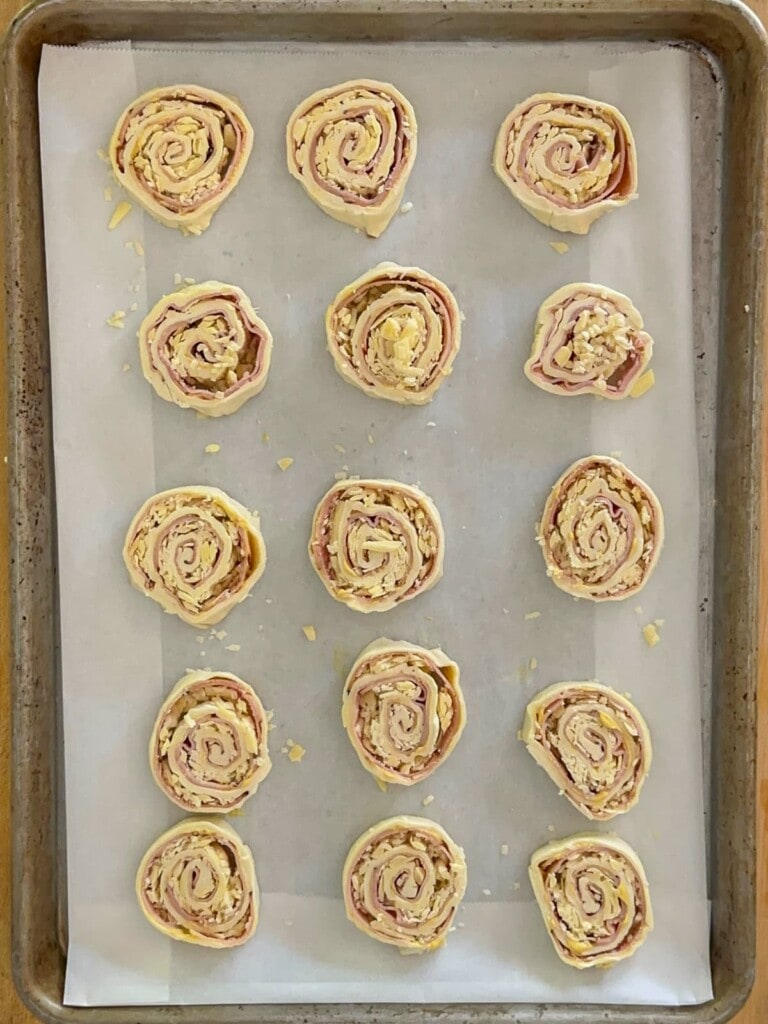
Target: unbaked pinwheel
394,333
179,151
601,530
566,159
352,147
403,881
204,348
589,340
403,710
593,895
208,750
593,743
195,551
197,883
376,543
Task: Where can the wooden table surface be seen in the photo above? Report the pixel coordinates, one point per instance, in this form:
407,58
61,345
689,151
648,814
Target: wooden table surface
12,1011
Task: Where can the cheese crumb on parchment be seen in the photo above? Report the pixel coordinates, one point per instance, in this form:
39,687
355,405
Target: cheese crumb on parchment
561,248
117,319
211,449
309,632
119,214
285,463
233,647
427,800
531,615
406,207
651,634
296,752
504,849
642,384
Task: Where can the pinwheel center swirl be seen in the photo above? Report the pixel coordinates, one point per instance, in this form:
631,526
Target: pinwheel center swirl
594,900
594,749
569,154
400,720
213,743
355,145
380,546
596,344
213,351
196,884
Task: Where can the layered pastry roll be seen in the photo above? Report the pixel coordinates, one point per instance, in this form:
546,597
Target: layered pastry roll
566,159
352,147
208,750
403,881
601,531
376,543
197,883
195,551
204,348
179,151
589,340
394,333
403,710
593,743
593,895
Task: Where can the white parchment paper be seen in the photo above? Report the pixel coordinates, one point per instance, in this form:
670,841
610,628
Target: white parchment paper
487,450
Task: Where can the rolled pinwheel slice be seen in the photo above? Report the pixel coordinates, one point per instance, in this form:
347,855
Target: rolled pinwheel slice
204,348
352,147
195,551
403,710
376,543
566,159
208,750
593,743
593,895
197,883
394,333
589,340
403,881
179,151
601,531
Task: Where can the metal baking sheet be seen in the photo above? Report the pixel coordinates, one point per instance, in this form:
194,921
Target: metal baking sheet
732,623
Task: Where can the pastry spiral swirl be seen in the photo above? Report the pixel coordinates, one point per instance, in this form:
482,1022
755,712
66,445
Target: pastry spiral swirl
197,883
601,531
403,881
195,551
208,750
593,743
566,159
179,151
593,895
352,147
376,543
394,333
589,340
403,710
204,348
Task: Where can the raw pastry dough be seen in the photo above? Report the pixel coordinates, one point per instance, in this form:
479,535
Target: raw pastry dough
195,551
601,531
208,750
197,883
394,333
204,348
566,159
403,710
593,895
376,543
403,881
593,743
352,147
179,151
589,340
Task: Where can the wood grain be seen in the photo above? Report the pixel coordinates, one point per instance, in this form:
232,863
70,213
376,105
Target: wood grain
12,1011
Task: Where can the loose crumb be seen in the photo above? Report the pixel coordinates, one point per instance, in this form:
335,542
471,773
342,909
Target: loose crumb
119,214
406,207
126,367
382,785
296,753
651,635
189,280
340,449
310,632
658,623
431,423
504,849
177,278
101,153
233,647
202,654
285,463
561,248
341,475
532,615
219,633
117,319
550,828
370,439
107,194
200,639
267,600
505,610
460,924
746,307
427,800
642,384
138,248
533,664
133,307
486,892
265,437
211,449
